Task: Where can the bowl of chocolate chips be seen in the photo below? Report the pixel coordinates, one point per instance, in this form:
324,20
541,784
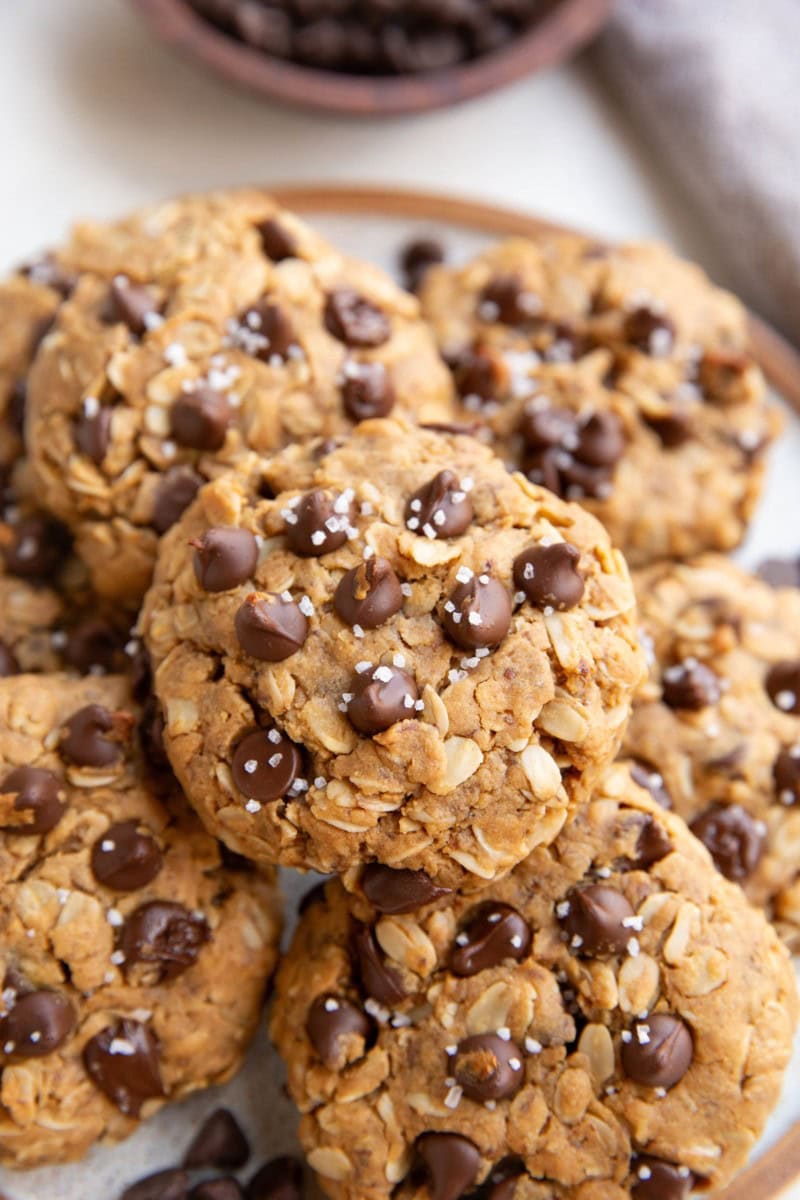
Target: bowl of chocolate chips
375,57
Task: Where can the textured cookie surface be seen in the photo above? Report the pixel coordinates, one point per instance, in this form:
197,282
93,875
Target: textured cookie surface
611,1019
133,960
716,728
354,663
195,330
617,377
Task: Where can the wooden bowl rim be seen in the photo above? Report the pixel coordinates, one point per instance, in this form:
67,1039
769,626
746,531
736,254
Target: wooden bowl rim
559,33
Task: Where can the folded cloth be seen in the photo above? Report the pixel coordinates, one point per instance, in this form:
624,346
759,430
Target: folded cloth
716,87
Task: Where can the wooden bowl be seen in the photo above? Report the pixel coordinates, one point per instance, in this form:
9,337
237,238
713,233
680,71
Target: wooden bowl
559,34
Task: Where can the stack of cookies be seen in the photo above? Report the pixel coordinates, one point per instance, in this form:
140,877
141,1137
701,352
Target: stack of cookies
301,570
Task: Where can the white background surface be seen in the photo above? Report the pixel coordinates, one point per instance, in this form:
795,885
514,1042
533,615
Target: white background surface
95,118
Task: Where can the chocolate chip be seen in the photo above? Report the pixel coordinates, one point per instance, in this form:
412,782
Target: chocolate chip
598,920
487,1067
94,736
452,1161
338,1030
48,272
176,491
673,428
270,628
38,549
659,1051
441,508
543,428
219,1142
780,572
122,1061
125,858
571,457
652,845
165,935
655,1179
650,331
354,320
786,775
199,419
416,259
380,697
265,765
224,557
318,522
549,576
478,613
378,980
277,241
367,391
8,662
479,375
93,645
601,441
783,686
151,735
269,333
733,838
690,685
652,781
133,304
369,594
39,795
399,890
493,933
171,1184
38,1023
93,430
504,1189
506,300
218,1189
279,1179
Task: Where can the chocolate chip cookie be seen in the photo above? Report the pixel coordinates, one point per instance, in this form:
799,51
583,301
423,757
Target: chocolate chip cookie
716,728
610,1020
196,330
620,378
133,957
393,651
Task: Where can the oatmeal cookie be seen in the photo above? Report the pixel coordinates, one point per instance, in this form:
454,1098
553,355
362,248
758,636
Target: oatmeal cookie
610,1020
393,651
619,377
133,959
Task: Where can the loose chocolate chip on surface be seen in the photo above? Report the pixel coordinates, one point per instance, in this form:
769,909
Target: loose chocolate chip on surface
8,662
653,782
199,419
733,838
377,979
598,920
783,686
219,1142
380,697
690,685
224,557
163,934
38,1023
416,259
39,797
398,890
176,491
493,932
505,299
659,1051
549,576
93,430
265,765
487,1067
38,548
279,1179
94,736
786,774
369,594
655,1179
319,522
452,1161
650,331
478,613
270,628
122,1061
337,1030
441,508
278,242
172,1184
367,391
125,857
354,320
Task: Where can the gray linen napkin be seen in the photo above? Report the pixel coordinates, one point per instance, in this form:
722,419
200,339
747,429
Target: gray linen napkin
715,85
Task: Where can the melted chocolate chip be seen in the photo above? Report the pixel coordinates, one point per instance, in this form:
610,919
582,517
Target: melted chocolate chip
478,613
652,782
655,1179
38,1023
786,775
277,241
690,685
488,1067
783,686
93,431
338,1030
270,336
8,662
165,935
369,594
265,765
452,1162
38,549
125,858
650,331
224,557
133,304
493,933
440,508
122,1061
219,1142
659,1052
506,300
652,845
279,1179
367,391
176,491
172,1184
93,736
549,576
270,628
416,259
318,523
380,697
199,419
399,890
93,645
378,980
597,921
733,838
354,320
38,795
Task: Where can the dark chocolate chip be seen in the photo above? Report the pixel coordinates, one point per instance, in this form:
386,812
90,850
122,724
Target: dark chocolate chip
367,391
652,781
270,628
93,430
8,662
270,335
354,320
199,419
219,1142
493,933
318,522
545,428
265,765
399,890
504,1189
690,685
780,572
480,376
224,557
786,775
227,1188
176,491
277,241
477,613
38,548
416,259
733,838
452,1162
133,304
38,795
172,1184
93,645
652,845
369,594
549,576
487,1067
122,1061
569,456
783,686
165,935
650,331
48,272
338,1030
673,428
601,440
94,736
378,980
506,300
126,858
380,697
440,508
151,734
279,1179
598,920
38,1023
659,1051
655,1179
